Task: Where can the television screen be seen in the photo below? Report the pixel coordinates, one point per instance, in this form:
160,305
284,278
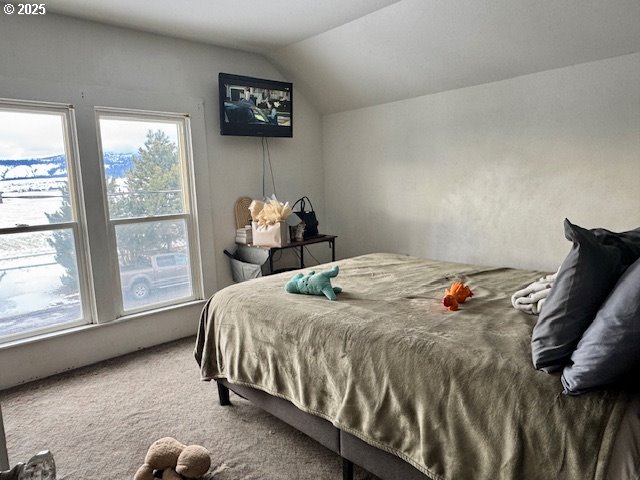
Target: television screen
255,107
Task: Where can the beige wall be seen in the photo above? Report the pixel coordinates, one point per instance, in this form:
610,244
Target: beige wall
487,174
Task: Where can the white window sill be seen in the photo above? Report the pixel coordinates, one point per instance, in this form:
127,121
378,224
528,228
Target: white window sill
43,337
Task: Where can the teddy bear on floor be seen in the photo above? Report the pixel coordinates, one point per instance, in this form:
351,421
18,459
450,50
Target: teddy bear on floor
314,283
175,460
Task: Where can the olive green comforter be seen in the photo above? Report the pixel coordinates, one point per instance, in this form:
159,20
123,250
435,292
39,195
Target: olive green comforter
452,393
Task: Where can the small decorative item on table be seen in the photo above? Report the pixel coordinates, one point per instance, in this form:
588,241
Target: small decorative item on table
268,226
298,232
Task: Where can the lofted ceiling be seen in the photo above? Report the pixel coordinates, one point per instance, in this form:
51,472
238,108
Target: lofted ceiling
347,54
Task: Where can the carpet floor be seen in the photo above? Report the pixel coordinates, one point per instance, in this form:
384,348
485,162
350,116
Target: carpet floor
99,421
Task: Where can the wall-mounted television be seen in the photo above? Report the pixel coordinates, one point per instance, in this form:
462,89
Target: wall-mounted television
255,107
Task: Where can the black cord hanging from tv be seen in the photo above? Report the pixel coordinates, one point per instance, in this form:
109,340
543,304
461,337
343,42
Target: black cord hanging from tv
267,158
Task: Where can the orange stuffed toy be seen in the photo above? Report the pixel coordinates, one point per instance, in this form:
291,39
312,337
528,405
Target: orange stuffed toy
456,294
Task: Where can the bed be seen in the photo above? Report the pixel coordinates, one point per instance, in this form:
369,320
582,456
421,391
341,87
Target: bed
389,379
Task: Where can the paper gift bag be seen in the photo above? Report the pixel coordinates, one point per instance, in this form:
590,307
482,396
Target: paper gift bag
275,235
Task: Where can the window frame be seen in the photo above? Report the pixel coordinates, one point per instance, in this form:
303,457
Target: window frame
190,215
77,224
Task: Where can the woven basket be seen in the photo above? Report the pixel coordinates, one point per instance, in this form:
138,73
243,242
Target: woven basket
241,209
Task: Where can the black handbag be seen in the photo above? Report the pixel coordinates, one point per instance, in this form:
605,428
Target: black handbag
307,216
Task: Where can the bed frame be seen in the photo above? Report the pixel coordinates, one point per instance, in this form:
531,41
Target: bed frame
352,450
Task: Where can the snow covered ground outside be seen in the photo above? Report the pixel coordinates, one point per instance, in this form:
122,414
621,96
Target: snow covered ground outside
31,294
27,201
31,298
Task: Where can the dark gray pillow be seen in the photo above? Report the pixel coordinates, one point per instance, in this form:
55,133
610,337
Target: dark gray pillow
627,242
584,280
610,348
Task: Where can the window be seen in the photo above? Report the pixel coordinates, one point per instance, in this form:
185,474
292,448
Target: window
146,165
148,205
43,281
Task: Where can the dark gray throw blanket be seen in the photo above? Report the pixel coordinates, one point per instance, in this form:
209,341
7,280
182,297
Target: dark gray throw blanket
452,393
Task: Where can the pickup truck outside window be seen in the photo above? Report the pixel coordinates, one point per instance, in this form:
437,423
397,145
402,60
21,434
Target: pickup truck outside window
157,272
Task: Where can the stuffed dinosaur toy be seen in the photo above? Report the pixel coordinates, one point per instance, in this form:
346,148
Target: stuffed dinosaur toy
314,283
457,293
